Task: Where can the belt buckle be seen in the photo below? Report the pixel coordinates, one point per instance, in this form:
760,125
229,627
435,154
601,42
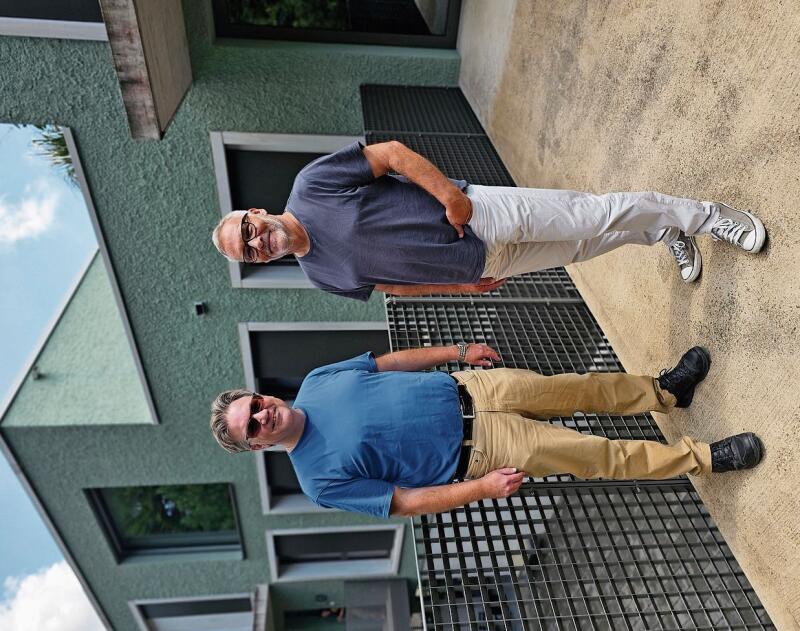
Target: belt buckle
465,403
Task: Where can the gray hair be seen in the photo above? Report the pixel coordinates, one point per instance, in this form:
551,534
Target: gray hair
219,424
218,229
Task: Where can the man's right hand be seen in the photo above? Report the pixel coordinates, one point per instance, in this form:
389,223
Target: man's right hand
502,482
482,286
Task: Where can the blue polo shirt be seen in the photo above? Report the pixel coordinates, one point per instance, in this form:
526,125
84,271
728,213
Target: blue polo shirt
386,231
368,431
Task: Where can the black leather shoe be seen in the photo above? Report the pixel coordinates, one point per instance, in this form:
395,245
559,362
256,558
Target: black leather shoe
743,451
682,380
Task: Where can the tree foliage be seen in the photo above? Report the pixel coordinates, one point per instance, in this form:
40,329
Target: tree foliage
153,510
52,146
321,14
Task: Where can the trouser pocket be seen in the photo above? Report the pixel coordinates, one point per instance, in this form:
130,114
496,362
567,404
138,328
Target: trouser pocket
478,464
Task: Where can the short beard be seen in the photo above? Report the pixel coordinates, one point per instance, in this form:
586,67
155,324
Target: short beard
278,228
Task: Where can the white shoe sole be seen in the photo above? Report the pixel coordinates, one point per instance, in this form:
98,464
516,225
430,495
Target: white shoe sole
697,264
761,233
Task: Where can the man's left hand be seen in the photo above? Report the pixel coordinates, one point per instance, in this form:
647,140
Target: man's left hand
481,355
458,212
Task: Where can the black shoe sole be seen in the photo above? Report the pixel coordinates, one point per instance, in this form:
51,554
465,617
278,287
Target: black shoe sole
757,446
753,447
706,357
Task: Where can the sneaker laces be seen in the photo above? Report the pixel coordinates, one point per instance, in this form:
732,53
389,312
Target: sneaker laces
679,252
726,229
669,376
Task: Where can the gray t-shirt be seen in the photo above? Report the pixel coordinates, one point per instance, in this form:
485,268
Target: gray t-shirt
366,231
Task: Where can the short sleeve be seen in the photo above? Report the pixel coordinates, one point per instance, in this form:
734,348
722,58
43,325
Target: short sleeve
364,362
371,497
345,168
362,293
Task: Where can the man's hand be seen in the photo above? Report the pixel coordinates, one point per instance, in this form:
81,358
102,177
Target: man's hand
458,211
502,482
481,355
481,287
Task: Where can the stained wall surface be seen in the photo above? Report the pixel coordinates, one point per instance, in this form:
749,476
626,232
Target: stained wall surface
695,99
157,204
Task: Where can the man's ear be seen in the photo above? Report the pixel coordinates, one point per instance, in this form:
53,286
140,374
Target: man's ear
257,211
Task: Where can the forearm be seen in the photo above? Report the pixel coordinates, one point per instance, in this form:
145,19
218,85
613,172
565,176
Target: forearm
415,359
436,499
419,290
406,162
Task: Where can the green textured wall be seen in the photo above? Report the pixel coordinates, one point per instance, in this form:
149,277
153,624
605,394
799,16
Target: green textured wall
87,372
157,205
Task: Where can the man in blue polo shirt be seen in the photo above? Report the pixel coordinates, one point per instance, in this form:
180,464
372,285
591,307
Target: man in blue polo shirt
377,436
354,227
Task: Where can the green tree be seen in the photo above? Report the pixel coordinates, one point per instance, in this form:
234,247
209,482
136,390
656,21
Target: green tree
52,146
174,509
321,14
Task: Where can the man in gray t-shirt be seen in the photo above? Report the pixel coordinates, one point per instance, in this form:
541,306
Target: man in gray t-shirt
355,228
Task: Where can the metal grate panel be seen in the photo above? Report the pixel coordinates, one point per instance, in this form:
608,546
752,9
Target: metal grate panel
583,557
470,158
548,338
398,108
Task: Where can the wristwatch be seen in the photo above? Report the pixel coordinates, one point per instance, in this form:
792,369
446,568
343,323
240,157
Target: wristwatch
462,350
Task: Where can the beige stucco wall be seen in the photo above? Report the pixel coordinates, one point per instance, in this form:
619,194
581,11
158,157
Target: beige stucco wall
698,99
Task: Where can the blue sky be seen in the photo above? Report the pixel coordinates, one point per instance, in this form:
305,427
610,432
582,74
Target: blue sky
45,239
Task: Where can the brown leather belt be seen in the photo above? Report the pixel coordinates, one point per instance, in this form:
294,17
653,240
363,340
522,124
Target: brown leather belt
468,416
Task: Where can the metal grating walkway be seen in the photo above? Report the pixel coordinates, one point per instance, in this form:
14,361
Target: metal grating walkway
562,554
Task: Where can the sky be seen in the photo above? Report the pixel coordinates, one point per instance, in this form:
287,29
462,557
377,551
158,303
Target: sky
46,239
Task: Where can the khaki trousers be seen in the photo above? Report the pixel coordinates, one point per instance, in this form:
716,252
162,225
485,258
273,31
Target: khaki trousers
504,433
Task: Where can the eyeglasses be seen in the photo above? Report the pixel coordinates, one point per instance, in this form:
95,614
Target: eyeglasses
249,232
254,425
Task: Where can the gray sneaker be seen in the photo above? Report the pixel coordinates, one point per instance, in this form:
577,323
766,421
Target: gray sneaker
739,228
685,251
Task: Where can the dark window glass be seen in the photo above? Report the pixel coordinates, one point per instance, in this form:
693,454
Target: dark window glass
264,179
63,10
334,546
391,22
280,473
168,519
281,359
195,608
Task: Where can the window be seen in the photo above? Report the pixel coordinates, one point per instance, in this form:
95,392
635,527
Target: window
148,521
324,553
66,19
429,23
258,171
211,613
276,357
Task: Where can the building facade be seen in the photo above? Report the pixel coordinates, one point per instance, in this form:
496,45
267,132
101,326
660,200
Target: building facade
112,426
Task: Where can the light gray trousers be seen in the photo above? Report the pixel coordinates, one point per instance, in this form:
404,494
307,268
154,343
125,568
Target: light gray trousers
531,229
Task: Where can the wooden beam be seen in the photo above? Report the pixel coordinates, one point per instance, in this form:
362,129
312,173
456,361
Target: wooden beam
151,57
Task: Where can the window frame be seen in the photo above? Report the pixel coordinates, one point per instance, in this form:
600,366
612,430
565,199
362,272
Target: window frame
298,502
266,277
107,526
328,570
135,606
56,29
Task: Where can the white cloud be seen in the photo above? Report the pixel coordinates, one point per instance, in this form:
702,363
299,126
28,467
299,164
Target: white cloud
31,216
50,600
